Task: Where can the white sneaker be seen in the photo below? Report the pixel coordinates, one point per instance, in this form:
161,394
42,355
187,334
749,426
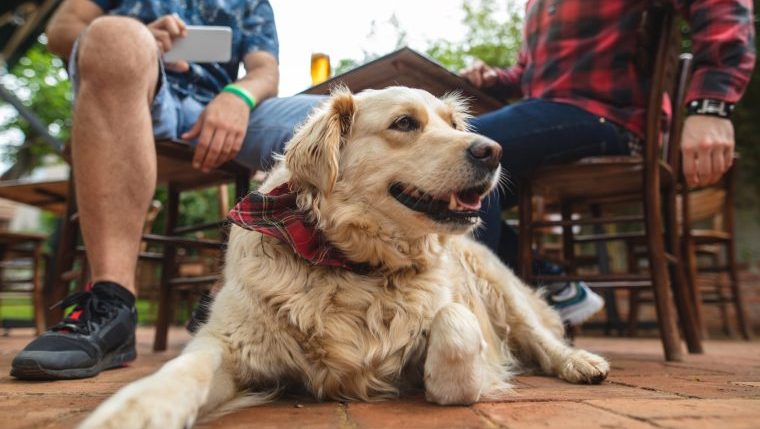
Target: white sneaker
576,302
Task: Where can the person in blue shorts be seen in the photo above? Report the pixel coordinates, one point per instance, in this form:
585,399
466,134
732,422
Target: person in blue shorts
126,96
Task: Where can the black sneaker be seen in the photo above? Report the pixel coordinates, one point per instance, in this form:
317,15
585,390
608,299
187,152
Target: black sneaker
98,334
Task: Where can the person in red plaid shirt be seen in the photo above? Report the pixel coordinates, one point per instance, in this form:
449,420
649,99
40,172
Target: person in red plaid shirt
584,94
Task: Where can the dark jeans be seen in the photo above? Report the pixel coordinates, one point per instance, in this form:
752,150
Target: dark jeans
534,133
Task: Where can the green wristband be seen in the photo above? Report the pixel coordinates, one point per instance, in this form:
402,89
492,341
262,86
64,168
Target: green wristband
242,93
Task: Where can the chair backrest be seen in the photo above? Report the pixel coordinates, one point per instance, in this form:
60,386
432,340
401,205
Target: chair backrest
672,144
660,24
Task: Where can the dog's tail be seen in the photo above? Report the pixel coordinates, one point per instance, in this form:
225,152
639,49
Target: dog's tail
244,399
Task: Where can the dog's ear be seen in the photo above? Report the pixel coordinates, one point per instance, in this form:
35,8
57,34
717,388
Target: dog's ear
313,153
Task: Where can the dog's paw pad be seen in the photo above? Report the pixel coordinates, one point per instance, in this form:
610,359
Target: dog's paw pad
584,368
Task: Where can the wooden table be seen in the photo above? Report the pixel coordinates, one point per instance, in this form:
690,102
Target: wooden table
48,195
407,67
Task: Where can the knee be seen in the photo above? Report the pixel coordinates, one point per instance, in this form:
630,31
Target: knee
117,49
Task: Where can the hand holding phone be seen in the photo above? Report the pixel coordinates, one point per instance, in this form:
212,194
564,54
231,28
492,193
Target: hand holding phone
165,30
201,44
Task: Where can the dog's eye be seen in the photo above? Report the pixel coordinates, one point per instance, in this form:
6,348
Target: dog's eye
405,123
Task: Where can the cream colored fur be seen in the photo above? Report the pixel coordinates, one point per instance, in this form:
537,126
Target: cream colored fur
439,310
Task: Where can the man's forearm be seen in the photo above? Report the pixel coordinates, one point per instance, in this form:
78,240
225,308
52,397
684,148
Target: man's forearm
262,76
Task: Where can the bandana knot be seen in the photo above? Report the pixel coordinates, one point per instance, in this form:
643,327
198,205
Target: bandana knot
276,214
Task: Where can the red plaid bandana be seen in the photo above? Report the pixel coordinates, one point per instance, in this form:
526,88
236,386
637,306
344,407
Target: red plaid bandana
276,214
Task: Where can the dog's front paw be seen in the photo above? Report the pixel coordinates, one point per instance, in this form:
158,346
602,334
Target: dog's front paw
150,403
583,367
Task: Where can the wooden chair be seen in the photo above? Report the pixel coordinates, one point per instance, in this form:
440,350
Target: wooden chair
21,257
708,229
649,182
706,223
176,172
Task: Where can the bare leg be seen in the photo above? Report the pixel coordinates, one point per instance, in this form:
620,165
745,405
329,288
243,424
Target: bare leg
112,142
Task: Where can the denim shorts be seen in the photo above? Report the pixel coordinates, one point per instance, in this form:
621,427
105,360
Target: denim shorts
270,126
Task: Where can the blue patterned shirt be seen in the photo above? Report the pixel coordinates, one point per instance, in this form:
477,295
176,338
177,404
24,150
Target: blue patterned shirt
251,21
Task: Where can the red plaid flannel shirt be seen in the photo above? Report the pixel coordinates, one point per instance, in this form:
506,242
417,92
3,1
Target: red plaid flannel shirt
277,215
584,53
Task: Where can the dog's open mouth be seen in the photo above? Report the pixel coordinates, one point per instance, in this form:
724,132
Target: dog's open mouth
458,207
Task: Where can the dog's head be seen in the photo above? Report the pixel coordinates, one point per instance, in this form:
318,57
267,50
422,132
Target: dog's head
396,158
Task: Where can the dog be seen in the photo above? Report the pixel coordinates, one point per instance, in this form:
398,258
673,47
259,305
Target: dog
357,280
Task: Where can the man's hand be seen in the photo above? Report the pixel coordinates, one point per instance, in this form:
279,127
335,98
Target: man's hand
480,74
166,29
708,149
221,128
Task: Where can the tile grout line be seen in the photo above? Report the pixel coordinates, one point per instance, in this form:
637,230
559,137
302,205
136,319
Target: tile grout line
652,389
52,420
615,412
487,418
344,421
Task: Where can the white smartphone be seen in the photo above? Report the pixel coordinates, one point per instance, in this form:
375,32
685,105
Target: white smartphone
203,44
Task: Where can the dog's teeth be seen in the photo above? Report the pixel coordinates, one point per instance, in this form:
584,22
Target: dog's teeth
453,202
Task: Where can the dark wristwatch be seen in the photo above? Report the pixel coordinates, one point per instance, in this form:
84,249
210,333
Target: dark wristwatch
710,107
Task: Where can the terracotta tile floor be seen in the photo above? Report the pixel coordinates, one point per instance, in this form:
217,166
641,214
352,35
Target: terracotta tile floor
720,389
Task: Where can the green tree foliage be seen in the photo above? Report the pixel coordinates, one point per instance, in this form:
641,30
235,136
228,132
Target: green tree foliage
39,80
494,35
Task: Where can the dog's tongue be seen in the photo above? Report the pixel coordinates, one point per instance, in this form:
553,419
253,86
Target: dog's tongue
469,201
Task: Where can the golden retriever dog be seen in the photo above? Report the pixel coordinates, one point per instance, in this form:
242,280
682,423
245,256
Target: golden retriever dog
393,180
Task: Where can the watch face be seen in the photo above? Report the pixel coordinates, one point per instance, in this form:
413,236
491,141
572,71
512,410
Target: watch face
711,107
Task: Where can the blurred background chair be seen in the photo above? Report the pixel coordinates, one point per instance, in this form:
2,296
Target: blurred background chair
21,267
24,258
709,243
625,192
706,219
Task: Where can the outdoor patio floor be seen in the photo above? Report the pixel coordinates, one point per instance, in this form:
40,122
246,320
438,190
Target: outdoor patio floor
720,389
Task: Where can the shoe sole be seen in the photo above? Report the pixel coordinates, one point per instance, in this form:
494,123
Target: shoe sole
31,369
578,314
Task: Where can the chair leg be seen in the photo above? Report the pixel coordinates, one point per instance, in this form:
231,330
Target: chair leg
685,303
169,268
64,259
568,244
242,185
689,258
634,305
37,293
736,293
525,238
725,316
634,295
659,271
725,303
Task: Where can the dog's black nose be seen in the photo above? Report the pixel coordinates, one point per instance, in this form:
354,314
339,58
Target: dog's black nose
485,152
